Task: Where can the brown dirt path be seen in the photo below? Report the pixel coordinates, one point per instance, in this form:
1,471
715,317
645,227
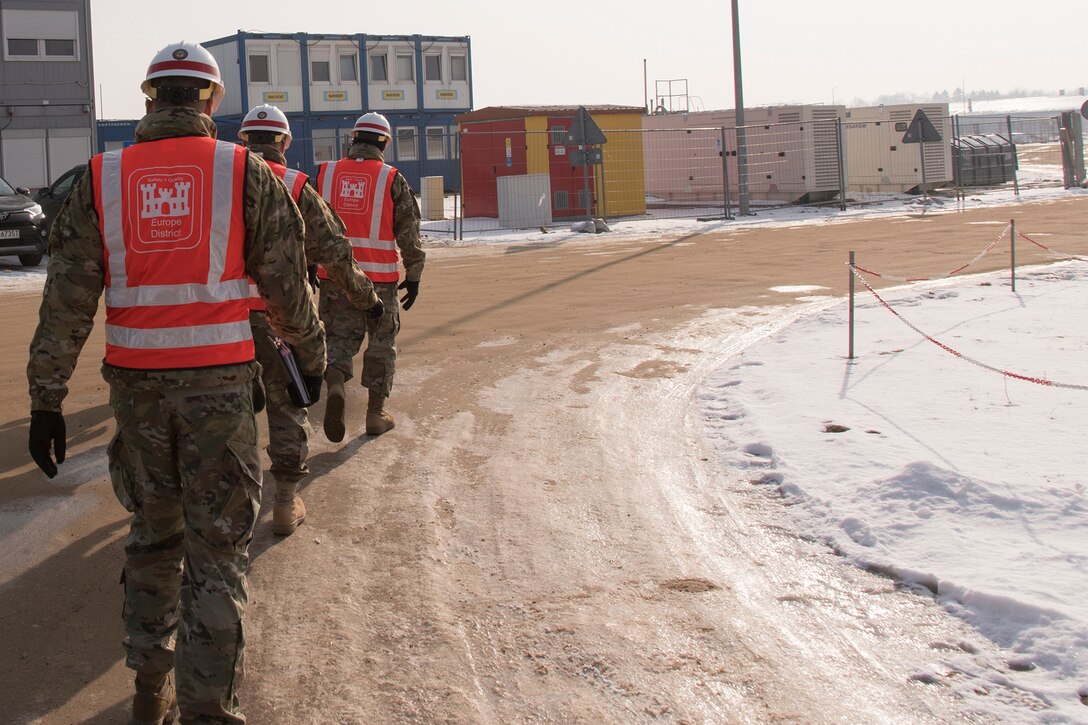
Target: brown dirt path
501,556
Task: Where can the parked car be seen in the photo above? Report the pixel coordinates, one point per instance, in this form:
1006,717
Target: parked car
22,225
51,198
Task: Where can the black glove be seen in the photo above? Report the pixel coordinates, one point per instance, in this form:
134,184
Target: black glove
313,388
411,291
47,436
375,312
311,275
258,395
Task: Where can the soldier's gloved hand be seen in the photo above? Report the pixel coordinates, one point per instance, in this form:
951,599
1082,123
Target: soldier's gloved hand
47,437
375,312
311,275
411,291
313,389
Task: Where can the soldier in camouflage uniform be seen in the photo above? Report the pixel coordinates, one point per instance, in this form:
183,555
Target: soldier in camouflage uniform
266,132
184,457
387,219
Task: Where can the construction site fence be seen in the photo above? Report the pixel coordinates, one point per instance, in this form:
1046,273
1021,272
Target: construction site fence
484,180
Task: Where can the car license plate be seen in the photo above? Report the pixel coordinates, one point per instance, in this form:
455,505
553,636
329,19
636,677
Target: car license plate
9,233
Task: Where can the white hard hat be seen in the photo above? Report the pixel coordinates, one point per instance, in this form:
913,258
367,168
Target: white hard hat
374,123
185,60
265,117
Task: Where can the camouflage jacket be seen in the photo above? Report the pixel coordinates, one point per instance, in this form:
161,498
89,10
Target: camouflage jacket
325,242
406,214
76,278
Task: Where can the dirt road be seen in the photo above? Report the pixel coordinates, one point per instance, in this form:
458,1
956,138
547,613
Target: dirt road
542,538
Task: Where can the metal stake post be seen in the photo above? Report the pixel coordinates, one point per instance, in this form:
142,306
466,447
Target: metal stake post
1015,162
725,176
925,194
842,171
850,349
1012,250
585,169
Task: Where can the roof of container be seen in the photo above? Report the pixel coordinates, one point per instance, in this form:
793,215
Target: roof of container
503,113
246,35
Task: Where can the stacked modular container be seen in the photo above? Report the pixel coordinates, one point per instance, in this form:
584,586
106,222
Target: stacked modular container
878,160
324,82
793,154
533,142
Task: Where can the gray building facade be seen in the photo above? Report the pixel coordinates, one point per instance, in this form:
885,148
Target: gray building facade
47,114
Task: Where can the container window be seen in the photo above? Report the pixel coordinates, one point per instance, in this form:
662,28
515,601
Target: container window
458,68
379,67
349,72
406,68
432,67
258,69
407,149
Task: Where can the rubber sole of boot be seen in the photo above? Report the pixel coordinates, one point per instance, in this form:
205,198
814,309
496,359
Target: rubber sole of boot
334,418
170,718
287,529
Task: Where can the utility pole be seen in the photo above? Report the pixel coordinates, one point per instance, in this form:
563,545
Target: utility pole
738,93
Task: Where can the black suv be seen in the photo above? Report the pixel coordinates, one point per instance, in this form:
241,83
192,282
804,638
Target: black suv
52,197
22,225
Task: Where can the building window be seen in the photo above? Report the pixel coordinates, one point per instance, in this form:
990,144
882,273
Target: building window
406,144
324,145
432,67
436,142
61,48
406,68
319,71
23,46
37,35
458,68
258,69
349,68
379,67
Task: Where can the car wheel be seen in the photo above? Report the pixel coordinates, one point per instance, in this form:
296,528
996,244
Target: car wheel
30,260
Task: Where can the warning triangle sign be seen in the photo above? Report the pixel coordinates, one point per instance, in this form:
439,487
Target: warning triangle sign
584,131
921,130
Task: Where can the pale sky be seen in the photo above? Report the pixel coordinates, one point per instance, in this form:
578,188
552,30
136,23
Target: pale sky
592,51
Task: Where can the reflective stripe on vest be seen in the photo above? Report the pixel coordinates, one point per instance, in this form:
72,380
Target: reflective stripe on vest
170,214
294,180
369,224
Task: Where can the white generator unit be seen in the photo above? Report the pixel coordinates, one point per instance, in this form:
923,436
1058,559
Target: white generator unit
793,154
878,160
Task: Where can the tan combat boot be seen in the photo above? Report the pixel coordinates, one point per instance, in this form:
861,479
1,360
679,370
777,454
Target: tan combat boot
377,420
334,406
288,511
155,702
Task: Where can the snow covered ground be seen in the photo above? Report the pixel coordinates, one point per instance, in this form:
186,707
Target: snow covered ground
916,463
911,461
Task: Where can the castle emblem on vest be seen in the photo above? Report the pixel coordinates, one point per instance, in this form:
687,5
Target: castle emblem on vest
165,207
164,202
353,194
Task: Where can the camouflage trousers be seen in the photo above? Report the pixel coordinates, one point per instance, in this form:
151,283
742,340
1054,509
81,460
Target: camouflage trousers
288,428
346,327
184,461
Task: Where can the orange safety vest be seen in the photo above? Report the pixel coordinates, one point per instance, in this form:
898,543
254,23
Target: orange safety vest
170,214
294,180
350,187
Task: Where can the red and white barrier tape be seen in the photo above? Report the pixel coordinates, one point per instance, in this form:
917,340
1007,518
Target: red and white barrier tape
977,257
1040,245
946,348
